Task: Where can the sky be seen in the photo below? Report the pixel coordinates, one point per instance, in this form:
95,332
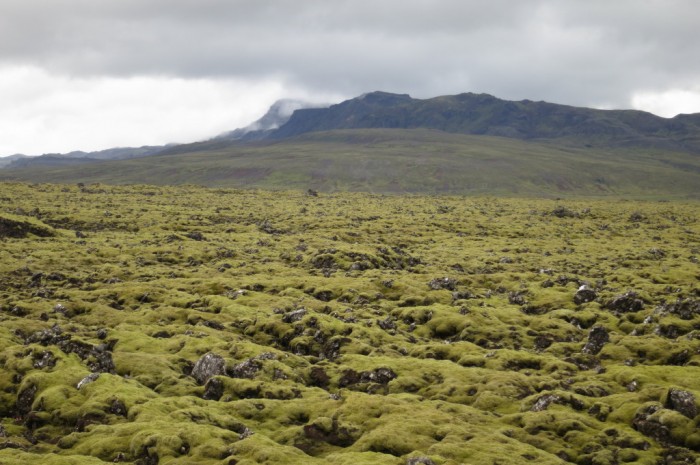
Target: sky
95,74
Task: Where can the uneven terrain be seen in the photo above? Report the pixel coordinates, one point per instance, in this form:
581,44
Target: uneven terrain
183,325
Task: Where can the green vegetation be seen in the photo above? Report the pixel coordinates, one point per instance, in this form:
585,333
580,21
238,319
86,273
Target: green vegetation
403,161
184,325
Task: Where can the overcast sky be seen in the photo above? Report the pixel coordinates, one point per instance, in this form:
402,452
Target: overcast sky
94,74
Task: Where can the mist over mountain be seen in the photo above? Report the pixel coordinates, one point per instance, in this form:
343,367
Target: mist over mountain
278,114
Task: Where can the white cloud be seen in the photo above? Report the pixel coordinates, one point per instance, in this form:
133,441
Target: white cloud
43,113
668,103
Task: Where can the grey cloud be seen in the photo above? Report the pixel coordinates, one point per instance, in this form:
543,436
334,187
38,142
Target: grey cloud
578,52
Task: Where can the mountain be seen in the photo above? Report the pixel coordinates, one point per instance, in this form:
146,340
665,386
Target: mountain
483,114
6,161
462,144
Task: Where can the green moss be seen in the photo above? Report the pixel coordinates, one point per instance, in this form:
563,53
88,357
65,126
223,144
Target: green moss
376,366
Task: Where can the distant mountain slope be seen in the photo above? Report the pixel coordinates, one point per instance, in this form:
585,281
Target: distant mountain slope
6,161
483,114
401,161
79,157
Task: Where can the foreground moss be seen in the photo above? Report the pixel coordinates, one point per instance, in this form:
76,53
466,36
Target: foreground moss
351,328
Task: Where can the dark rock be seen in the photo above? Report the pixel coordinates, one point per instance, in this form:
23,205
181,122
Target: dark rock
208,366
117,407
584,294
686,309
101,362
25,399
387,324
379,376
682,402
542,342
669,331
101,333
517,298
636,217
213,325
246,369
443,283
543,402
597,338
649,426
214,389
195,235
319,378
19,229
563,212
625,303
324,296
334,434
162,334
462,295
679,358
677,456
44,359
331,349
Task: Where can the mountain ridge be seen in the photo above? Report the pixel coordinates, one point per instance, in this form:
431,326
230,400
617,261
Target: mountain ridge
484,114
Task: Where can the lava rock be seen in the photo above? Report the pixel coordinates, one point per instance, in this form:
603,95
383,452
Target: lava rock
25,399
195,235
443,283
117,407
625,303
517,298
208,366
214,389
44,359
686,309
682,402
597,338
584,294
246,369
649,426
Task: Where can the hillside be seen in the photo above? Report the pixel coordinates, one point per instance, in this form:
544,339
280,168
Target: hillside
152,325
402,161
78,157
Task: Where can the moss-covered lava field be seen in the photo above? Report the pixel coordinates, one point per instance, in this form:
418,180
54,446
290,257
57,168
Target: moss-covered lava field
182,325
